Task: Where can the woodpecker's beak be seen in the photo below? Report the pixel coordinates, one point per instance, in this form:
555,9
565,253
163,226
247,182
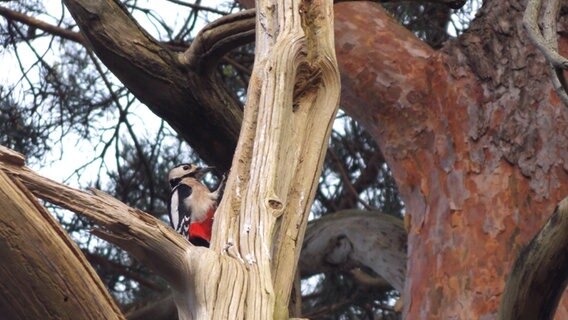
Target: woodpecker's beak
201,171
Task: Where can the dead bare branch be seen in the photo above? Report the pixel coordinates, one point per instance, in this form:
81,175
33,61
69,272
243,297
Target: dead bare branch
148,239
194,273
29,236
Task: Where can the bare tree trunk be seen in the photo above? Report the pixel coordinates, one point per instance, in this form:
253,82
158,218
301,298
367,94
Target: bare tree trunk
476,138
292,100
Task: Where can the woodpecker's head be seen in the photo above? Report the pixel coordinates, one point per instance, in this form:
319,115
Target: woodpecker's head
186,170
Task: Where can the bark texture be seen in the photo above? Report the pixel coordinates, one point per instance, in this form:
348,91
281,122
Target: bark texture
476,138
44,274
475,135
292,99
542,264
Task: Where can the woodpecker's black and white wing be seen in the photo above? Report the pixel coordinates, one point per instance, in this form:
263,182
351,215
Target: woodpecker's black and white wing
180,215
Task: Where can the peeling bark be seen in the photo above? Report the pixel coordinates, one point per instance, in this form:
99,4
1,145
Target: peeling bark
475,136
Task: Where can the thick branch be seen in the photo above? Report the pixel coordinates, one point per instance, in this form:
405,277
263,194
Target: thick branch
45,276
218,38
385,70
200,110
291,104
540,273
354,238
148,239
194,273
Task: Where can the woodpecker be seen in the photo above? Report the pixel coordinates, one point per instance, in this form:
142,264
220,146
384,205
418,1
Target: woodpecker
192,205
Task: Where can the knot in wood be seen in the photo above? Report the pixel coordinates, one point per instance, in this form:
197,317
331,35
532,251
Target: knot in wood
308,78
275,204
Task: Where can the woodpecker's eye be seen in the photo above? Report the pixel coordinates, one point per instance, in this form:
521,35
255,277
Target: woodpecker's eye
185,168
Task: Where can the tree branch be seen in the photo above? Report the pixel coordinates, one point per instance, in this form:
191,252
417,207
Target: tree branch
354,238
30,21
218,38
547,41
396,72
540,273
148,239
36,285
194,273
202,112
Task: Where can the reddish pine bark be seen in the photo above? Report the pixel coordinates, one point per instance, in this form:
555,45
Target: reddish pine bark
477,141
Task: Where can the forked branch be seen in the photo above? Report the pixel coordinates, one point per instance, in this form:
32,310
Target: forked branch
218,38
